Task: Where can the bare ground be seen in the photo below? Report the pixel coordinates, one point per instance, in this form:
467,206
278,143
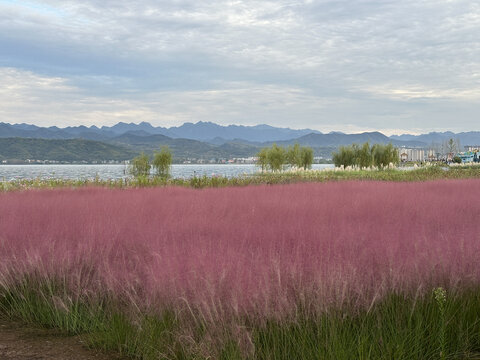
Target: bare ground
20,342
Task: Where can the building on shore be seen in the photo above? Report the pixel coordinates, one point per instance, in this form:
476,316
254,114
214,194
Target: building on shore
471,154
472,148
417,155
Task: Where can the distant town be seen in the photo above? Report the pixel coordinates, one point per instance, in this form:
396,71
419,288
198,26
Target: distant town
471,154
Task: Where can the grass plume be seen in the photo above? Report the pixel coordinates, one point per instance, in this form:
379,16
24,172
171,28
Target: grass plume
338,270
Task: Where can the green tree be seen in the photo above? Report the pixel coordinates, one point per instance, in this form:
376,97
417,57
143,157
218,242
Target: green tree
393,157
293,156
384,155
365,156
344,156
263,158
276,157
162,162
306,157
140,166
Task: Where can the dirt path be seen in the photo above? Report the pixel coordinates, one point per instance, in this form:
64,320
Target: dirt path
26,343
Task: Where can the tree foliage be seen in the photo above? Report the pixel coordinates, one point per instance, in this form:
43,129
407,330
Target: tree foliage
306,157
384,155
365,156
344,156
294,156
276,157
140,166
263,158
162,162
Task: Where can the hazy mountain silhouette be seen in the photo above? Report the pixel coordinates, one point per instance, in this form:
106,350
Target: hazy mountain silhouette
465,138
219,134
205,140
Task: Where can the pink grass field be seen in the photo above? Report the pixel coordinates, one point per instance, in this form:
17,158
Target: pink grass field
258,249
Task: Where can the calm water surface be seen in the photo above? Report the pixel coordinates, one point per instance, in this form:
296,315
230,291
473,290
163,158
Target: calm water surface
15,172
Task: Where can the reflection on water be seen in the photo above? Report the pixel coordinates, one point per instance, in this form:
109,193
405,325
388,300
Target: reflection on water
15,172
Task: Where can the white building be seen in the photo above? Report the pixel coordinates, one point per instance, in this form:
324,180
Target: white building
416,154
472,148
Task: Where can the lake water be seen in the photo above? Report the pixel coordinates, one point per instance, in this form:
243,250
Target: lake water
16,172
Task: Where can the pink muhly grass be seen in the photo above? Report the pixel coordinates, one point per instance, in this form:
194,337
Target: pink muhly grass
261,250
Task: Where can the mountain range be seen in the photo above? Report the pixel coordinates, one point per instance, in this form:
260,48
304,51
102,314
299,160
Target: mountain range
201,131
202,140
465,138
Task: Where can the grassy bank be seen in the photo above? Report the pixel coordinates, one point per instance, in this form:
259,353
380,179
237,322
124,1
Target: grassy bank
420,174
341,270
395,327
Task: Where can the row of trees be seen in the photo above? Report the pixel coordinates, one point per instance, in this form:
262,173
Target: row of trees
162,161
276,157
365,156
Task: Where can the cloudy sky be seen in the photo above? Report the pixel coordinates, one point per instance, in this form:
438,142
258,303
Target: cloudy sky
345,65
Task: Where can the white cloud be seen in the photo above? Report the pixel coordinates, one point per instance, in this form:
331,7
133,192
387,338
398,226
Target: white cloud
32,98
347,64
412,92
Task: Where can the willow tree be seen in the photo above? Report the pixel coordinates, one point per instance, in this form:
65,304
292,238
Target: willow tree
162,162
263,158
345,156
140,166
365,156
306,157
276,157
384,155
293,156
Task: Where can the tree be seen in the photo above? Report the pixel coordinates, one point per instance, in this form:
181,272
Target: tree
162,162
276,157
393,157
345,156
263,158
379,155
384,155
293,156
306,157
365,156
140,166
453,146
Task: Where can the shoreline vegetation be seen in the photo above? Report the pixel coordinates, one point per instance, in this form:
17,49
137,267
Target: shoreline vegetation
382,268
290,176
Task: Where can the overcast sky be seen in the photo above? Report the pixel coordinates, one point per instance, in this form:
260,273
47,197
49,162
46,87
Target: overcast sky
341,65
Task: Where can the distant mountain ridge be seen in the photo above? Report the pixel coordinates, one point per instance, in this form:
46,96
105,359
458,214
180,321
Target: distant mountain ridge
203,140
219,134
201,131
466,138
